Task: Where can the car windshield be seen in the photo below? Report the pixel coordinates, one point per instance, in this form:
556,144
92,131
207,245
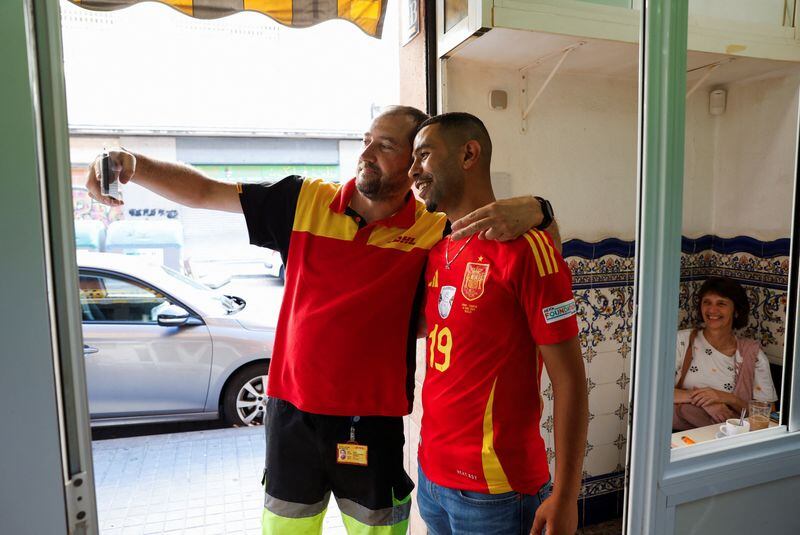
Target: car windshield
231,303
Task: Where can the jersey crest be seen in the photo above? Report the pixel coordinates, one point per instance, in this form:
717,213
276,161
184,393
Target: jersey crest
474,280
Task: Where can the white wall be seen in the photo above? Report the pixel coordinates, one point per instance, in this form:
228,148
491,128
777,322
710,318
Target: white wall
698,177
754,169
579,150
740,165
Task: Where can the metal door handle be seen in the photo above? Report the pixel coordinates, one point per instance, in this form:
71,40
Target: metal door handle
89,350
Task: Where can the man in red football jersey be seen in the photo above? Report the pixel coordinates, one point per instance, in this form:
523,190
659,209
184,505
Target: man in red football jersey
494,312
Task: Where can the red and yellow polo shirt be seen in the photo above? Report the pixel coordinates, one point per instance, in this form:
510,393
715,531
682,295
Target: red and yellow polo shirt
345,339
486,314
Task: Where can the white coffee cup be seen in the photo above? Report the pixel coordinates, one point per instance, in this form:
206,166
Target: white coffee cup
731,427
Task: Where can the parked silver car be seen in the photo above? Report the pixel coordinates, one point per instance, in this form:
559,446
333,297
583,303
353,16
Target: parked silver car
160,346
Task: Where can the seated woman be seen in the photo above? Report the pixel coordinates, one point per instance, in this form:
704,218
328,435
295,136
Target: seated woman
716,372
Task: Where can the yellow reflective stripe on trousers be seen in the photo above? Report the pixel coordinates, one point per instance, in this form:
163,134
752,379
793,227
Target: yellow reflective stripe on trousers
272,524
400,527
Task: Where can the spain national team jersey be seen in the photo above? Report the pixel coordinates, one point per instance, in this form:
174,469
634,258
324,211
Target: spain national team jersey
346,337
481,398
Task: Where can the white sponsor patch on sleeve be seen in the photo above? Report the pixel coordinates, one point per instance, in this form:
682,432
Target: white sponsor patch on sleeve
560,311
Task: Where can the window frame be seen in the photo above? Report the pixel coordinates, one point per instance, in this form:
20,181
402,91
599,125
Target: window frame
660,480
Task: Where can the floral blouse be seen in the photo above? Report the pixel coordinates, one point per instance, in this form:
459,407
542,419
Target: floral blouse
713,369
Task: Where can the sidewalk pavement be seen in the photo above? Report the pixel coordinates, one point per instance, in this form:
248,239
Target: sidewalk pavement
196,483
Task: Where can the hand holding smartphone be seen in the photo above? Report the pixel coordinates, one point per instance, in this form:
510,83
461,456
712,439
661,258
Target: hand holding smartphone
109,187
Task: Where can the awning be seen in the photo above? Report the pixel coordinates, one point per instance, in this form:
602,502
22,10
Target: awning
366,14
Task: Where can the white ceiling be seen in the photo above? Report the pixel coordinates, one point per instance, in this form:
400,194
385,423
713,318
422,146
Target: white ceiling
516,49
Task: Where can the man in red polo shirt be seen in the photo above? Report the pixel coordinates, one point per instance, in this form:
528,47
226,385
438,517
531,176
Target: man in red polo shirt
494,312
341,375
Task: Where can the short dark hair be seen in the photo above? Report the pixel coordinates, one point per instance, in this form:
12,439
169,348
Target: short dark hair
418,117
467,126
730,289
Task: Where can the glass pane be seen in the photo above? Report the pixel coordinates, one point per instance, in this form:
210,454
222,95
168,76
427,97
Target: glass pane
108,299
741,139
454,12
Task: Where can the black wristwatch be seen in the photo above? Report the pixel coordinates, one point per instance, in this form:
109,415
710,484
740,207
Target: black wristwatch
547,210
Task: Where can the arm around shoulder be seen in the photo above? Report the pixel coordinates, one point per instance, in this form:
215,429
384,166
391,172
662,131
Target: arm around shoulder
502,220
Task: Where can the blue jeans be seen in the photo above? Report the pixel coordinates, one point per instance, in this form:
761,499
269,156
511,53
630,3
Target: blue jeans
459,512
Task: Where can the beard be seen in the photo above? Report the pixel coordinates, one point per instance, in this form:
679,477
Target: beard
443,191
427,192
369,187
431,199
376,186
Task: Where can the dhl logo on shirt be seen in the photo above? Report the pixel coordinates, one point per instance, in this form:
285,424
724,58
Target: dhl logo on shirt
408,240
543,252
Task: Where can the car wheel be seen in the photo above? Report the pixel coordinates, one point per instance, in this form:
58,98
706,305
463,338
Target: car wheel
244,401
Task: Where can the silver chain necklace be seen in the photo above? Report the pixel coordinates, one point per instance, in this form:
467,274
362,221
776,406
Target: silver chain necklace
447,260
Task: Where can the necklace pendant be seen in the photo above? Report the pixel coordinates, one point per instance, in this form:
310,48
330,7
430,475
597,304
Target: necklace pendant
447,259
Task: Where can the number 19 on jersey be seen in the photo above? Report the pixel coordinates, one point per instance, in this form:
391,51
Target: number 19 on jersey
440,348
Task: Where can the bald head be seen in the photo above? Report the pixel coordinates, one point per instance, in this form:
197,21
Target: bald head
413,118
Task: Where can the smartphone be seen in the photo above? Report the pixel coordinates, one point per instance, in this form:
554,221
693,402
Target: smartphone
108,186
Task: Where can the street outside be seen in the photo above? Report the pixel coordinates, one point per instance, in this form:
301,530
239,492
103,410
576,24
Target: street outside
203,481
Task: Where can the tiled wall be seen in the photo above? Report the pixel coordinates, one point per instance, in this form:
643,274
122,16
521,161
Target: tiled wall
602,275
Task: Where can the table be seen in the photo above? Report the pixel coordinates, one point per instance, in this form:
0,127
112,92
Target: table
681,439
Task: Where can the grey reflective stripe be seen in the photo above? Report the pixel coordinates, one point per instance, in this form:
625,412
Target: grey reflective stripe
295,510
388,516
313,11
213,9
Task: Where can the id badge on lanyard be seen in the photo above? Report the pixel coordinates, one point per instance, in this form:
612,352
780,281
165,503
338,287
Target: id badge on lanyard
351,452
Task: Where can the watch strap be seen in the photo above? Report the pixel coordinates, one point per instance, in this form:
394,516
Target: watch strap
547,211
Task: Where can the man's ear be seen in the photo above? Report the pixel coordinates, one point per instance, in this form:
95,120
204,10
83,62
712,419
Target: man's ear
472,154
